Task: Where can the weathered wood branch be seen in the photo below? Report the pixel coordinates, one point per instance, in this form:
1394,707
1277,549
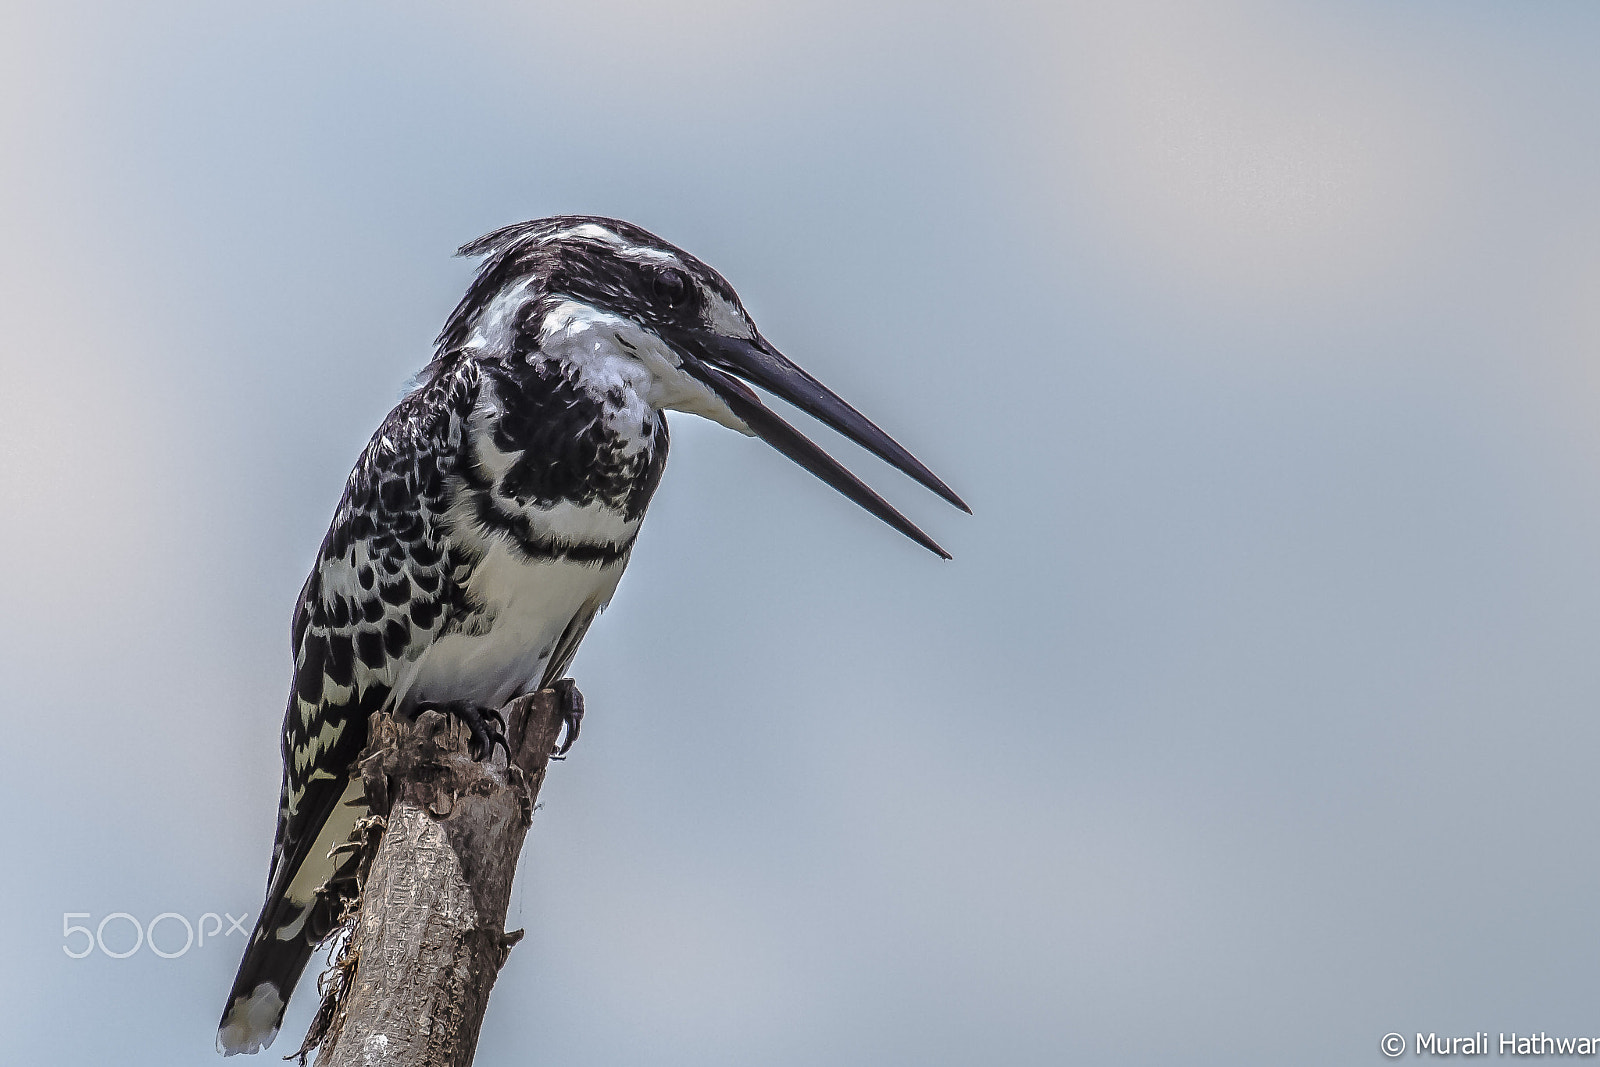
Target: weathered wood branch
427,940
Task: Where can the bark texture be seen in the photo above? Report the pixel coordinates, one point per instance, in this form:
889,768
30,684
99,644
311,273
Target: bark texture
428,939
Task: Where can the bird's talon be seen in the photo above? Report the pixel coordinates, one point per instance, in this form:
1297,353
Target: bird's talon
485,725
571,715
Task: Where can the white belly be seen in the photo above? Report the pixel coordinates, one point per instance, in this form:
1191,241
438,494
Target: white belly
527,605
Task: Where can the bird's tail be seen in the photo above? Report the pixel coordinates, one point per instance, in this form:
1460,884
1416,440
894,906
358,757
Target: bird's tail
307,889
302,908
273,962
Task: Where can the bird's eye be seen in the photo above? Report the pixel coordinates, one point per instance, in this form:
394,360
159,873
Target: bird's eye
671,287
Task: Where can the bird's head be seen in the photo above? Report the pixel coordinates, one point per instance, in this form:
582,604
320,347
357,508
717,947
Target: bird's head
611,301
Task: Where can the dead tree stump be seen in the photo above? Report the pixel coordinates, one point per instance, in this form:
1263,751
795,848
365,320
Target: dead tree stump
427,941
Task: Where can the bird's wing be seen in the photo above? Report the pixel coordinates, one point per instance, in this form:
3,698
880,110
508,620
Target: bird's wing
567,646
384,586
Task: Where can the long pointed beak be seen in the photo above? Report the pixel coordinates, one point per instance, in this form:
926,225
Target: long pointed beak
716,359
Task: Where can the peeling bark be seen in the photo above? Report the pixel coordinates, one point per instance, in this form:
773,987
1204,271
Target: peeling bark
427,939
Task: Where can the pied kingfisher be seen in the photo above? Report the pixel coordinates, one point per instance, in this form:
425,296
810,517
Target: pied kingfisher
491,516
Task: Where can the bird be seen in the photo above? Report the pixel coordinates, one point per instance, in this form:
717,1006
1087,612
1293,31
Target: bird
489,520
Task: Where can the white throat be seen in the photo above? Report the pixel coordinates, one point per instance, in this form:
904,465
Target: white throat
625,366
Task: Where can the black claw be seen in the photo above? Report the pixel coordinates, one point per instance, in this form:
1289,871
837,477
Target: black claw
571,715
494,729
493,715
487,726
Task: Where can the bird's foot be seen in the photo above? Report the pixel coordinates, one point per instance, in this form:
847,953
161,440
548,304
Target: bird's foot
486,725
566,691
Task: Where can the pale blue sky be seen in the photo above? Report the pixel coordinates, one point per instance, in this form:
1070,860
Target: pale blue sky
1256,716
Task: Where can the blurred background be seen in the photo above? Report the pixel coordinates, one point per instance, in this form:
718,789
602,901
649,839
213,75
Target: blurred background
1256,716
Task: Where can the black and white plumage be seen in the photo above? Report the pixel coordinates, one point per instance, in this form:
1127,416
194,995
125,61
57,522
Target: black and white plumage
490,518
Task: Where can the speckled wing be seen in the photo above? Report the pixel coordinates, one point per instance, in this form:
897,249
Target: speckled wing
385,583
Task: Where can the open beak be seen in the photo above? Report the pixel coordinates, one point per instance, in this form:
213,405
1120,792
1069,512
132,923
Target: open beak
727,363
